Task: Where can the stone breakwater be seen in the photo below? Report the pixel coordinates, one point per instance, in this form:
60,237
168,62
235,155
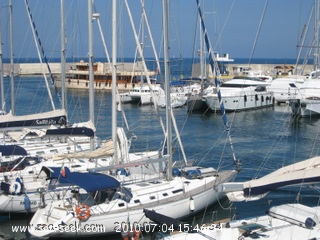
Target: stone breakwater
26,69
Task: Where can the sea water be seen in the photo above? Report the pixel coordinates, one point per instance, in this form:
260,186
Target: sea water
263,140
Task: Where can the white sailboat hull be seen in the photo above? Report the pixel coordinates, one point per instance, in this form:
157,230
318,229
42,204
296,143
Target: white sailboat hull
25,203
288,221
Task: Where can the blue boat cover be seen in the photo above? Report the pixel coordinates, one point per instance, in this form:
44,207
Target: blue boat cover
89,181
8,150
71,131
161,219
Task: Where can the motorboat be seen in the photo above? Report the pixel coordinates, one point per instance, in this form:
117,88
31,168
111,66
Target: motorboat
282,88
143,94
129,75
307,100
241,94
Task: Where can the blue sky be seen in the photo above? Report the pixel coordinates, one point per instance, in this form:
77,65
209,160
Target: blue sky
232,26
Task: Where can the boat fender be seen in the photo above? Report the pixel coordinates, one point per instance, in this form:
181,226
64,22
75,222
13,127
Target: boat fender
83,212
262,99
245,98
27,203
66,219
191,204
15,187
19,180
122,171
257,98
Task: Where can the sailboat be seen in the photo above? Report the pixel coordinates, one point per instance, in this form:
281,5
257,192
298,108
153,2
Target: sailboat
287,221
179,192
44,133
302,173
24,167
304,101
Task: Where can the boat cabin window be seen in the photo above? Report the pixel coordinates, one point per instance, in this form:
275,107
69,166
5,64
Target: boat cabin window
235,85
19,163
104,195
76,166
85,198
123,194
178,190
260,89
30,161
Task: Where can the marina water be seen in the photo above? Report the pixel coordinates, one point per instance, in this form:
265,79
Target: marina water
263,139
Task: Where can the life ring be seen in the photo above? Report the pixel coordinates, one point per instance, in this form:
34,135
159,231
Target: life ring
83,211
15,187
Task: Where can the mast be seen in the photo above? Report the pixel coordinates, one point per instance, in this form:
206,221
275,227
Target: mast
1,70
165,22
203,73
11,60
316,35
39,47
63,57
114,79
215,70
146,23
91,74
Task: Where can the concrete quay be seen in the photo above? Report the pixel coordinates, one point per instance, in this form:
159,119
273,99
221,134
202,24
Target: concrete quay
269,69
25,69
